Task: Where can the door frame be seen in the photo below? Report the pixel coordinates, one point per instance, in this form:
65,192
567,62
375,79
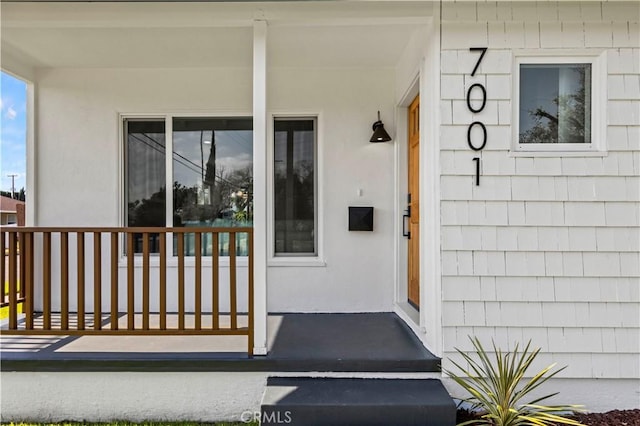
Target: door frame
427,323
410,315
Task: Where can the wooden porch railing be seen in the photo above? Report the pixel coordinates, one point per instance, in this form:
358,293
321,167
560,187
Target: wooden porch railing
23,247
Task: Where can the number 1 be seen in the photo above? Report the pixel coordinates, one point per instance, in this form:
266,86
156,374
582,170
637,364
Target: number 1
477,161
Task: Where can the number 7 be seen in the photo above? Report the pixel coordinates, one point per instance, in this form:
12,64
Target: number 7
478,49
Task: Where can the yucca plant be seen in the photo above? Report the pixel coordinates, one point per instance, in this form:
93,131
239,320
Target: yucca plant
494,386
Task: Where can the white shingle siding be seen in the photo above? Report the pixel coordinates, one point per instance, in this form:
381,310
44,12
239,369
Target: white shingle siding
546,247
599,291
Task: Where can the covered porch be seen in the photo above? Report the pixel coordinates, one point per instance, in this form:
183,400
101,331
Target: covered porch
95,68
144,297
67,314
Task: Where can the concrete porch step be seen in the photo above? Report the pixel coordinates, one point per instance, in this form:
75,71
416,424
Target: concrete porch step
352,401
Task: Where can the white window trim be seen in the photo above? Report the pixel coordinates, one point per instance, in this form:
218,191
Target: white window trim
598,145
172,261
312,260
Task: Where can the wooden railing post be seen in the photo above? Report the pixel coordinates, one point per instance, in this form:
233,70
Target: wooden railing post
163,281
145,281
114,281
233,302
130,282
46,281
81,271
29,297
21,267
64,280
13,280
180,281
97,281
198,283
215,277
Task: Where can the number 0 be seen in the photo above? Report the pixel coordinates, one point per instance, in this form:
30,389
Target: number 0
484,97
484,136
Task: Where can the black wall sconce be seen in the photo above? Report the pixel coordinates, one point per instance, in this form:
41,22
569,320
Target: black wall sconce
379,134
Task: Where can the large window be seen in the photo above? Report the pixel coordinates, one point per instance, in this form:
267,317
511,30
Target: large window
555,104
295,187
210,175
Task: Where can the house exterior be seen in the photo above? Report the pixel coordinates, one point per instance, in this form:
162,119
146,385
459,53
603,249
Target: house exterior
12,212
514,125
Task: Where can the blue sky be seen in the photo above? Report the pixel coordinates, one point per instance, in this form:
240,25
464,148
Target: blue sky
13,131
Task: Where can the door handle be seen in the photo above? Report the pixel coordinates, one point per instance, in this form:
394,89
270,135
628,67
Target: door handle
405,216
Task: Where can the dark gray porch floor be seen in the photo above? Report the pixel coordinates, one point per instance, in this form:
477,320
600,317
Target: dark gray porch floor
368,342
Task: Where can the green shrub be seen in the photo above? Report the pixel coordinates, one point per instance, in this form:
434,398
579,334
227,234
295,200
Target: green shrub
494,386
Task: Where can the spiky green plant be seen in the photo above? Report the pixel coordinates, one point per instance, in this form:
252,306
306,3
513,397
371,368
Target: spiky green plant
496,392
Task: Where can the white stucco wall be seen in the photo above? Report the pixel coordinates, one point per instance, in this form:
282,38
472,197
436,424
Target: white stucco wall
546,248
77,130
79,156
207,396
357,270
133,396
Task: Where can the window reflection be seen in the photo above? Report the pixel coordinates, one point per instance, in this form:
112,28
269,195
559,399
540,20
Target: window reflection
213,178
145,178
555,103
294,186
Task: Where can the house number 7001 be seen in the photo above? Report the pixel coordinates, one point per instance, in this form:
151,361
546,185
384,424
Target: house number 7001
478,145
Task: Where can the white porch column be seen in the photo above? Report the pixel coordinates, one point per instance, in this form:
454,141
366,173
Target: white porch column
260,185
32,162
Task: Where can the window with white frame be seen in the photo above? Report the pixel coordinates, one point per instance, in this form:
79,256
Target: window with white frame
557,103
210,177
295,199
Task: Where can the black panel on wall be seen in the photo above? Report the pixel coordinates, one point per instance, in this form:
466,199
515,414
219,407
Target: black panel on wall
360,218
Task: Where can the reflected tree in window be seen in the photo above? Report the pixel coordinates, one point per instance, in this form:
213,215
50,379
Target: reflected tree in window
213,177
213,171
555,103
148,211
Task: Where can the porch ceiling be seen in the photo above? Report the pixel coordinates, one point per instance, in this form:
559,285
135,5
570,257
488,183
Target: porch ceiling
131,47
338,46
165,35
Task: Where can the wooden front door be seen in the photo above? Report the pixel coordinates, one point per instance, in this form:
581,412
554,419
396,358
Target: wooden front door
413,208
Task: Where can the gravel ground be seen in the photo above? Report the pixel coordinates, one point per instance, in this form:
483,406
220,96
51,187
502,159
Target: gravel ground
610,418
